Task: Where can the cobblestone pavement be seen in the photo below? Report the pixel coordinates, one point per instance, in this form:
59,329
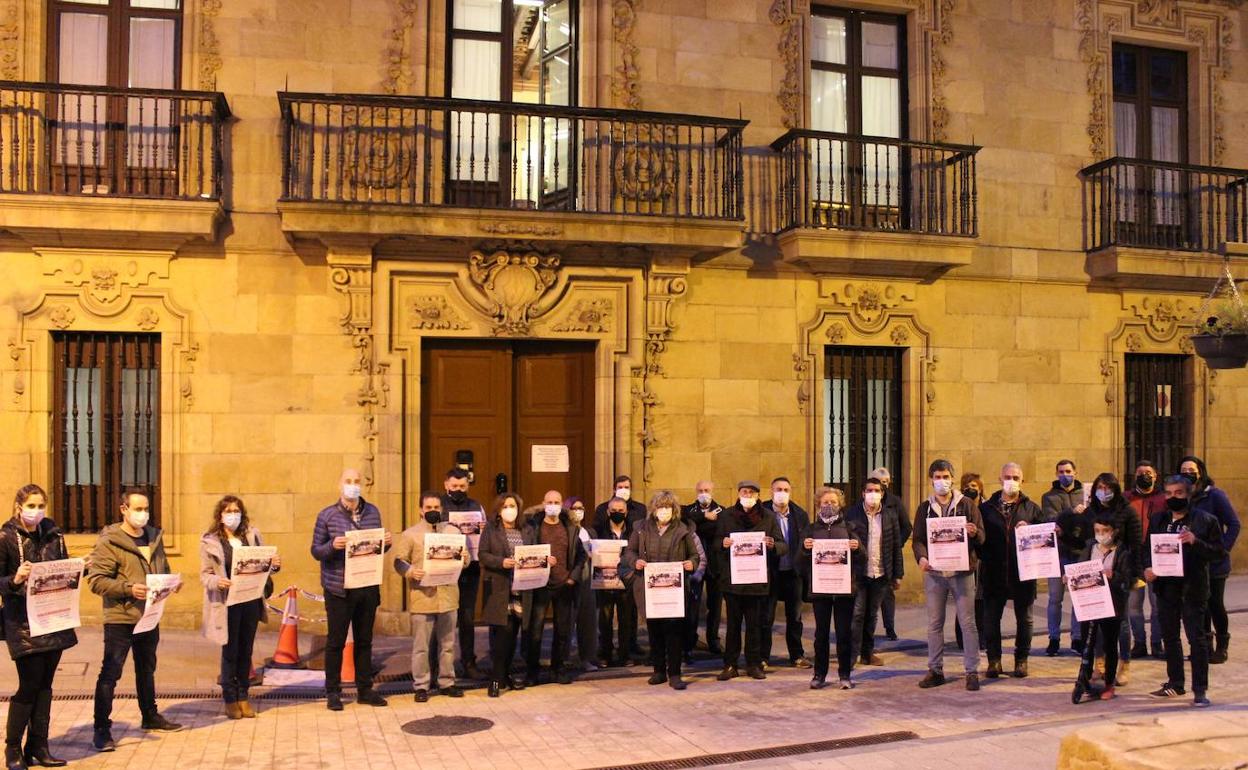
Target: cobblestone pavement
618,719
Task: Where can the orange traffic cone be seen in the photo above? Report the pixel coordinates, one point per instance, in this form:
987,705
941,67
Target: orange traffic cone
287,653
348,657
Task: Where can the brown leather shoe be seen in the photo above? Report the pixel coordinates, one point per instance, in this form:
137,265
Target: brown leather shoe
248,711
233,711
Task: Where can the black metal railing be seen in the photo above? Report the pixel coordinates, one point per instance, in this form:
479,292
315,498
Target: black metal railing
843,182
862,394
116,142
1156,205
421,151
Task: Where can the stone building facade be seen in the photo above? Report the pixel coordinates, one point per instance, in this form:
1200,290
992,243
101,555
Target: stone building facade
692,281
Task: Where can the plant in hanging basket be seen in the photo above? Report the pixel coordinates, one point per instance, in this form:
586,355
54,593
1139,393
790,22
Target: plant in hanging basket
1222,339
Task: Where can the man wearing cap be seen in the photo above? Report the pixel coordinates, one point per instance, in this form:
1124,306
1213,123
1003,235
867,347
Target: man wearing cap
747,602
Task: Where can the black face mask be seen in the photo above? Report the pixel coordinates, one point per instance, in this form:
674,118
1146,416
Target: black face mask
433,517
971,492
458,496
617,517
1144,482
1192,477
1176,504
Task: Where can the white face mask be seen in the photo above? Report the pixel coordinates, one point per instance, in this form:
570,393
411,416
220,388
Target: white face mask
746,502
1104,495
1105,539
780,498
508,513
624,493
942,486
552,510
31,516
704,498
577,514
137,519
350,491
663,515
231,520
872,498
1010,487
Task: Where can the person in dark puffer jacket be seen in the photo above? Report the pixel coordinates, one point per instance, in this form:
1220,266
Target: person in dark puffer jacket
1212,500
29,537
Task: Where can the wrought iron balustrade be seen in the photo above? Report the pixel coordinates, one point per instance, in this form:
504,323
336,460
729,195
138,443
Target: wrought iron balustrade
111,142
424,151
843,182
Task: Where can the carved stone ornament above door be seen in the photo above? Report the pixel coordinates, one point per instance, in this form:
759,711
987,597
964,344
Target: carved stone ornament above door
513,289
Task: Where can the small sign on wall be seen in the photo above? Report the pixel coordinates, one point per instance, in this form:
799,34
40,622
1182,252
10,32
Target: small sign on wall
550,458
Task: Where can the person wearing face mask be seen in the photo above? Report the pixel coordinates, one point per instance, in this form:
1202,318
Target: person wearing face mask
662,537
28,537
432,609
1003,513
1120,567
883,567
972,486
1107,498
1210,499
1185,599
1066,494
939,586
892,503
615,606
585,606
124,555
456,500
836,611
786,582
747,602
231,627
703,516
567,562
1147,499
623,489
502,608
352,609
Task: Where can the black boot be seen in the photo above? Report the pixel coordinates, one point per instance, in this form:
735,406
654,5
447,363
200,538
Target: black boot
19,717
1219,653
37,753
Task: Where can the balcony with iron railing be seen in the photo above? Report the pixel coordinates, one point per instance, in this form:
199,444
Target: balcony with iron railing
1156,224
93,158
406,165
875,205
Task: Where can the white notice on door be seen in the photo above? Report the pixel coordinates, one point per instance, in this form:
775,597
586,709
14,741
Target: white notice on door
550,458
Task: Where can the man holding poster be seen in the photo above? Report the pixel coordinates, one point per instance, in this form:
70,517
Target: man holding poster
469,515
660,555
749,540
432,607
564,567
1003,515
933,532
1183,599
353,608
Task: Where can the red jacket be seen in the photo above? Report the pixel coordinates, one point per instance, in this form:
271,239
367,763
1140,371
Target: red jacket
1146,506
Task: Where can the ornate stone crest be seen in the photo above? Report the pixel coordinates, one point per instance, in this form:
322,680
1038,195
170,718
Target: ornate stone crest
513,288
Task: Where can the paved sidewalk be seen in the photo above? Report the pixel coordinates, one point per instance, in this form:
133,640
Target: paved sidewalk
613,720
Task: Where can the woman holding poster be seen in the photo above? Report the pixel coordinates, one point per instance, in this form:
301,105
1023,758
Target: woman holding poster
29,537
832,558
661,541
1120,566
502,608
234,626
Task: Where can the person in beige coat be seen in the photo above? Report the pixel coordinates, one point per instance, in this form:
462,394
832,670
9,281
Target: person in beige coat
433,608
231,627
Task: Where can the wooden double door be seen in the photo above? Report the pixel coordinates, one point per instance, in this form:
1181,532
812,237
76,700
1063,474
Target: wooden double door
498,400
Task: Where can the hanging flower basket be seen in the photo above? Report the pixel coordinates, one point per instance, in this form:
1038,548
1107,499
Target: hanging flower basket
1228,351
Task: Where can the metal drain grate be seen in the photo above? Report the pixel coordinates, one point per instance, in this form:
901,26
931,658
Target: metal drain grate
444,725
775,752
276,693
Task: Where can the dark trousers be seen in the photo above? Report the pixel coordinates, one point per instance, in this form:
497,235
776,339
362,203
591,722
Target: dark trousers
241,620
693,601
838,610
714,606
750,609
503,648
355,611
620,607
785,587
867,602
560,598
33,698
469,583
994,608
1177,608
666,641
1218,621
1108,632
119,639
888,610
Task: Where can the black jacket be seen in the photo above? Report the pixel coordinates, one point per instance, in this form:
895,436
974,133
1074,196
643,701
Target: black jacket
675,544
636,512
575,557
1074,532
892,502
892,560
46,543
496,579
799,522
1126,521
998,558
1124,573
840,528
695,518
732,520
1197,557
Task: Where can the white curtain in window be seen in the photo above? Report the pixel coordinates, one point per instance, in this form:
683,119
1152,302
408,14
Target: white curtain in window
1124,146
879,45
1167,184
82,60
149,120
881,116
82,442
828,39
475,74
828,112
481,15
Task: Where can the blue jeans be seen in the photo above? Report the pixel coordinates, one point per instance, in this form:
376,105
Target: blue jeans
938,588
1057,594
